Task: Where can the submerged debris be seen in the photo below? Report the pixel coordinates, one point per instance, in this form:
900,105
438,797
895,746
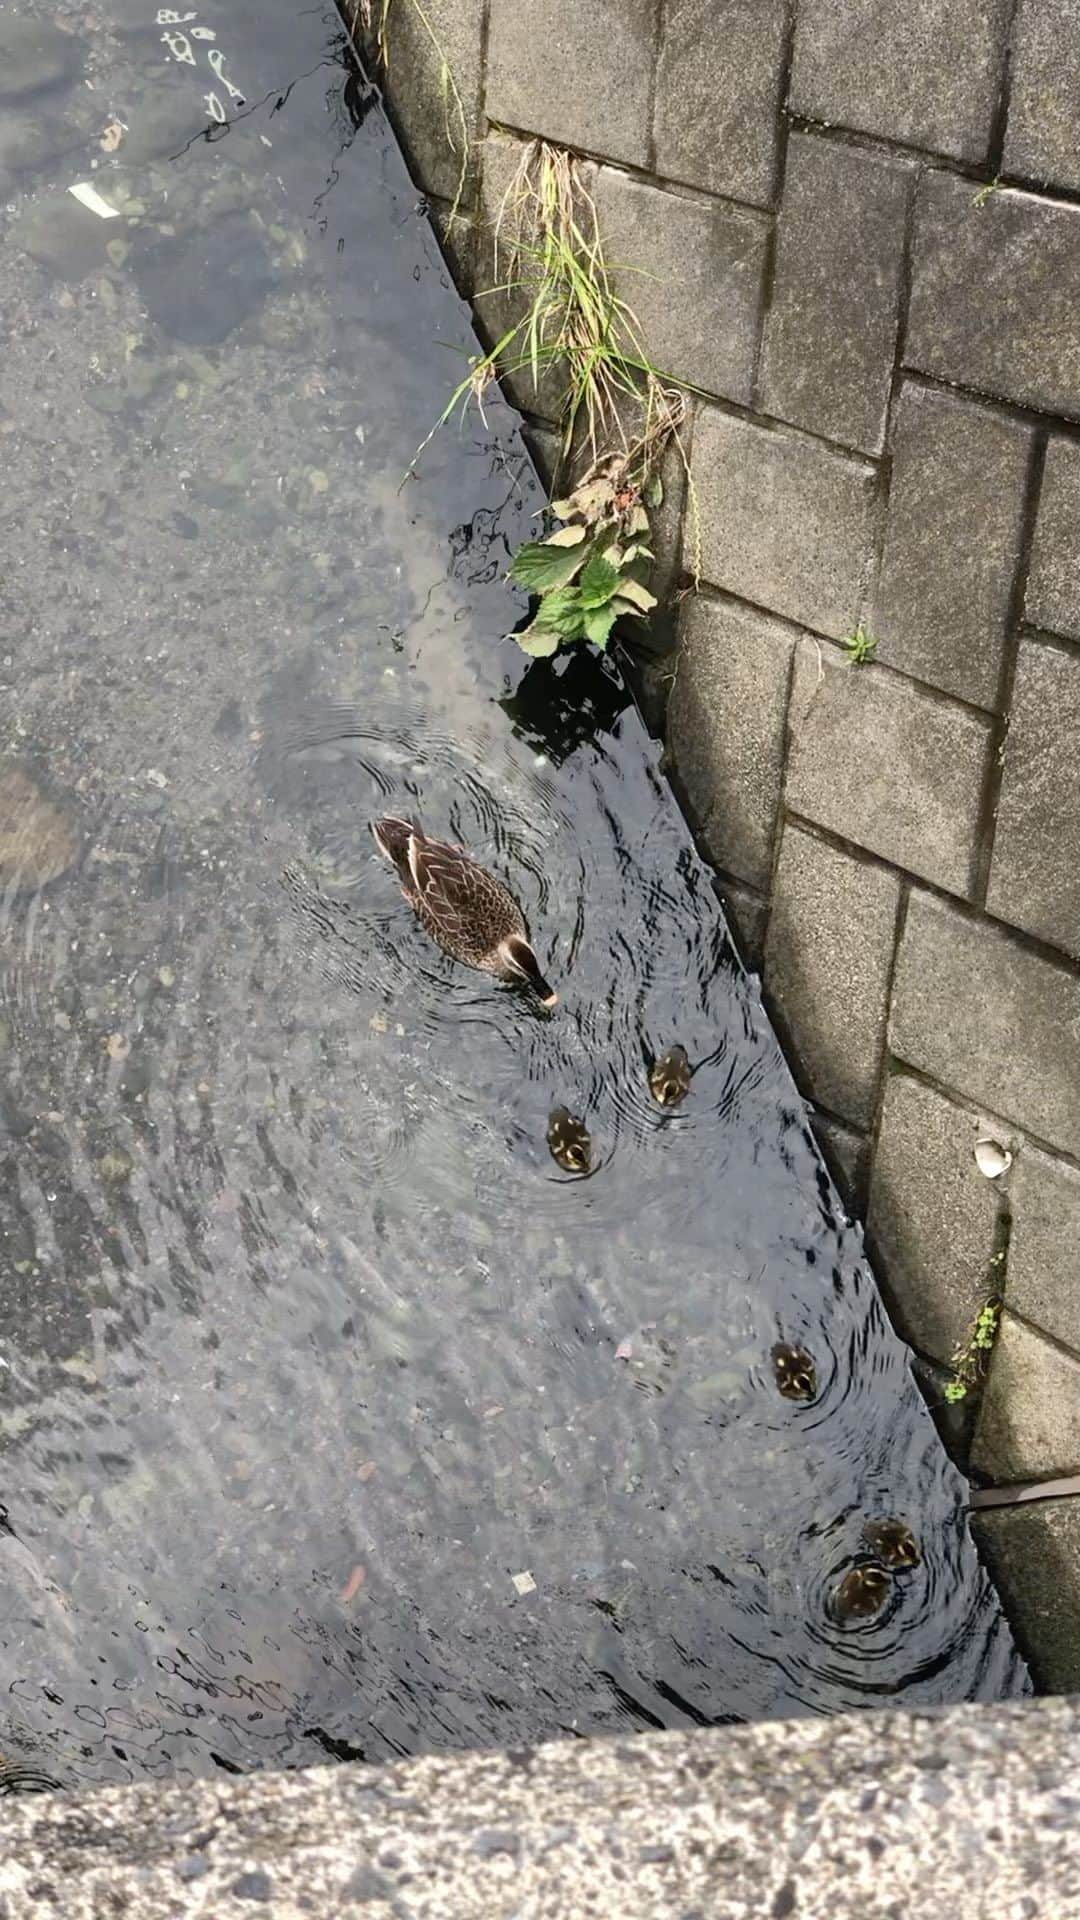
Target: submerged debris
568,1139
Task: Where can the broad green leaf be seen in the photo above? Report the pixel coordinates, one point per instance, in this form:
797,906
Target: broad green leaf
598,624
598,582
540,567
538,641
639,597
566,537
561,612
653,490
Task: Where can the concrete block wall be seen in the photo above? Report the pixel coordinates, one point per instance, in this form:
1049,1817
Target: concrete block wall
857,226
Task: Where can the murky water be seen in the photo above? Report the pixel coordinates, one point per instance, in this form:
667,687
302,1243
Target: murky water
310,1354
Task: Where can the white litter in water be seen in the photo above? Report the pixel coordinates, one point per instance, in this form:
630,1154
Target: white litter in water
89,196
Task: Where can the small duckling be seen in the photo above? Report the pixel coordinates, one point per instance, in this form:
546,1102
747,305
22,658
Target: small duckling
670,1076
569,1141
796,1374
862,1593
894,1544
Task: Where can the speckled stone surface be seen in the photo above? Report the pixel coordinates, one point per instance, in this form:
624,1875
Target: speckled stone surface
968,1812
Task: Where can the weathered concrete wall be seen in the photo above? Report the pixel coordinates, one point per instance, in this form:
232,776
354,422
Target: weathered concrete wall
862,223
971,1813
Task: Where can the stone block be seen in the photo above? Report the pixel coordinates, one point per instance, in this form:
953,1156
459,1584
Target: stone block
1032,1553
1053,588
1044,94
784,521
933,1217
692,272
831,335
882,762
746,913
718,95
995,297
952,543
1029,1421
847,1156
828,958
567,70
1044,1247
1035,871
927,72
974,1008
428,122
726,730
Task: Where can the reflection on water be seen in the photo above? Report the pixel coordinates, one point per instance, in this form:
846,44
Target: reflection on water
338,1420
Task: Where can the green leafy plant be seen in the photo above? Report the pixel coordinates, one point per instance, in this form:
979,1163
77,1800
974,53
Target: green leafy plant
971,1357
860,646
592,571
980,199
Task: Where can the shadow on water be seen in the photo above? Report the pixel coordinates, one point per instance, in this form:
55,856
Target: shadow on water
337,1420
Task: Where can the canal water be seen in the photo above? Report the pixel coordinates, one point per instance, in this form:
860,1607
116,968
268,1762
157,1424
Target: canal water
336,1419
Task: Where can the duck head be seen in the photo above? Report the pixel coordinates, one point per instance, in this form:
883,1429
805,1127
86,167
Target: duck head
669,1077
517,963
569,1141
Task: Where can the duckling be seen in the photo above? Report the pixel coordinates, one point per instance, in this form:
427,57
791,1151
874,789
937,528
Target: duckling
569,1141
670,1076
796,1374
462,906
894,1544
862,1593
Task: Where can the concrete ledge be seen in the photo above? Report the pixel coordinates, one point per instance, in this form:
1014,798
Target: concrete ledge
969,1811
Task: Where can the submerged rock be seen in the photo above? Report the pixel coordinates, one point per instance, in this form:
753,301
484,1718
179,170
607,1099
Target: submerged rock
38,840
199,286
34,56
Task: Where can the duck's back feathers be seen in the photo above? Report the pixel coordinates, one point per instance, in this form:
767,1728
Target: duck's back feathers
465,908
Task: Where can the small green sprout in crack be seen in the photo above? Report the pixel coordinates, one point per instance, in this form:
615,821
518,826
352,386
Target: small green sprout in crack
972,1357
860,646
992,186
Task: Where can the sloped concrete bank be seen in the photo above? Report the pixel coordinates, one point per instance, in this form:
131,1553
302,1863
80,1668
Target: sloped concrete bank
855,228
969,1812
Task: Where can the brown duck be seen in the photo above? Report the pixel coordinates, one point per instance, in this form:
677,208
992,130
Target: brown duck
569,1141
670,1076
861,1593
893,1542
462,906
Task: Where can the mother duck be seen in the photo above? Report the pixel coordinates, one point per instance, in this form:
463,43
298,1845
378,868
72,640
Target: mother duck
462,906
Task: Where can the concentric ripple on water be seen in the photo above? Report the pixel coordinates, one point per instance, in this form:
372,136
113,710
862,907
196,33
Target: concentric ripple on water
310,1350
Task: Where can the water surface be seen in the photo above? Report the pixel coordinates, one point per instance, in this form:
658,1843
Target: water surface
310,1354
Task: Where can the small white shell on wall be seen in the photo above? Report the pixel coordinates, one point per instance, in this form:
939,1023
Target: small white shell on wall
991,1158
